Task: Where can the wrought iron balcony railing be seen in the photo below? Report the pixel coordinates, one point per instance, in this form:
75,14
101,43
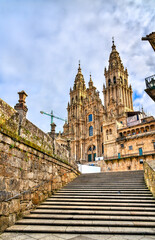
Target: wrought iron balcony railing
150,82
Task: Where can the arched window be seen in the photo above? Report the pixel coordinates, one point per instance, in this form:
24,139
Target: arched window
125,81
102,148
109,82
76,98
114,80
110,131
91,131
72,99
89,149
101,128
106,132
94,147
90,118
81,98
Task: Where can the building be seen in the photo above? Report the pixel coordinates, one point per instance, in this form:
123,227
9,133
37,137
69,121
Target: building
150,81
106,132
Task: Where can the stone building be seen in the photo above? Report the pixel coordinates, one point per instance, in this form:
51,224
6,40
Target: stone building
93,129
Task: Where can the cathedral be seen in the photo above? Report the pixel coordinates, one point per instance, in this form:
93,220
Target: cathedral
104,132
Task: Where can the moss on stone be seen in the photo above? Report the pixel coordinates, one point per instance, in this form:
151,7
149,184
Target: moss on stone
19,139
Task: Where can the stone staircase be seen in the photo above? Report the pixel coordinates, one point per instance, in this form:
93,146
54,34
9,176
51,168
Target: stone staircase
101,203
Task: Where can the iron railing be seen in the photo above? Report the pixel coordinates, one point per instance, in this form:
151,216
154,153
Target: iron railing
150,82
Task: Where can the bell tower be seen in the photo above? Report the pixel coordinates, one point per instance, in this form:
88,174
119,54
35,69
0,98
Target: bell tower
77,95
117,93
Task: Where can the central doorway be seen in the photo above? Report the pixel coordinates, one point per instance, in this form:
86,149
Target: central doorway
91,153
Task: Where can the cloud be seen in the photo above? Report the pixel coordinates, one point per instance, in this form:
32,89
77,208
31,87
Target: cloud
42,41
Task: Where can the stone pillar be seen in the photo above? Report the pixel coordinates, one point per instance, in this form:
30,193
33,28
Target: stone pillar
53,126
104,92
131,100
21,107
126,97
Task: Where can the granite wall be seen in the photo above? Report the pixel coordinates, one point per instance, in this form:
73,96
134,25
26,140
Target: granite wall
30,170
149,175
131,163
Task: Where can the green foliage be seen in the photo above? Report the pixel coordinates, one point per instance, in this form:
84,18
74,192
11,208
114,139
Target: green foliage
11,146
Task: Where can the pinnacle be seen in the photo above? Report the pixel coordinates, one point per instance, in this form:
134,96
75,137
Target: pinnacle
113,44
79,69
90,81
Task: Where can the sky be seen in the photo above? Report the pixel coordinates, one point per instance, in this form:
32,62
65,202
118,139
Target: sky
41,43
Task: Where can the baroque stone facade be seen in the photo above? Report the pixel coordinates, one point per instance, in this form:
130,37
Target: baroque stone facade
95,130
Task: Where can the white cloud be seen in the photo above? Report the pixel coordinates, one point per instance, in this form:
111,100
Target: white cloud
42,41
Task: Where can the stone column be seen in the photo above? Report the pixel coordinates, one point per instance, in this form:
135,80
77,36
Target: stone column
129,99
21,108
53,126
104,92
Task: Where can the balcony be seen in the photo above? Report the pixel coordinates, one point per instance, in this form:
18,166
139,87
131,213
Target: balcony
150,86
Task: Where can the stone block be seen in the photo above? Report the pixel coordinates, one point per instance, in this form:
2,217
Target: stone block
5,195
5,208
35,198
14,206
4,223
2,184
12,219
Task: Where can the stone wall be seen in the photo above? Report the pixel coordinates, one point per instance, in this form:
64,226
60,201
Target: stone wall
29,169
149,175
131,163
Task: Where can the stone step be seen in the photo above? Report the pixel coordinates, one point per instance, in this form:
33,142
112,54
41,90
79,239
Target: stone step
79,222
104,197
112,208
105,188
108,183
90,217
105,191
152,205
104,194
103,203
82,229
94,212
89,200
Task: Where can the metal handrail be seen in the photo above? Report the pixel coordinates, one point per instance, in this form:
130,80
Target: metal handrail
33,188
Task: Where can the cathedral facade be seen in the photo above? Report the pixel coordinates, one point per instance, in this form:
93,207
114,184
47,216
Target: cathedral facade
93,128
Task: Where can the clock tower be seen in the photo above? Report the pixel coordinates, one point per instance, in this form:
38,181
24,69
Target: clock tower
117,92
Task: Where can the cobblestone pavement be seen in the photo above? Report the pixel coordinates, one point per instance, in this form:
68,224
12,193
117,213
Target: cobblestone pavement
46,236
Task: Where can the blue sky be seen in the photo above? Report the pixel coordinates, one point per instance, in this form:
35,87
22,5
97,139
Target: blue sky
42,41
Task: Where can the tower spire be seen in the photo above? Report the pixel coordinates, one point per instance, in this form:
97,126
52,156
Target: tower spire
113,44
113,40
79,69
90,81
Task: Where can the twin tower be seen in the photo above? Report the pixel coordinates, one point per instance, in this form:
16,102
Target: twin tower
89,120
